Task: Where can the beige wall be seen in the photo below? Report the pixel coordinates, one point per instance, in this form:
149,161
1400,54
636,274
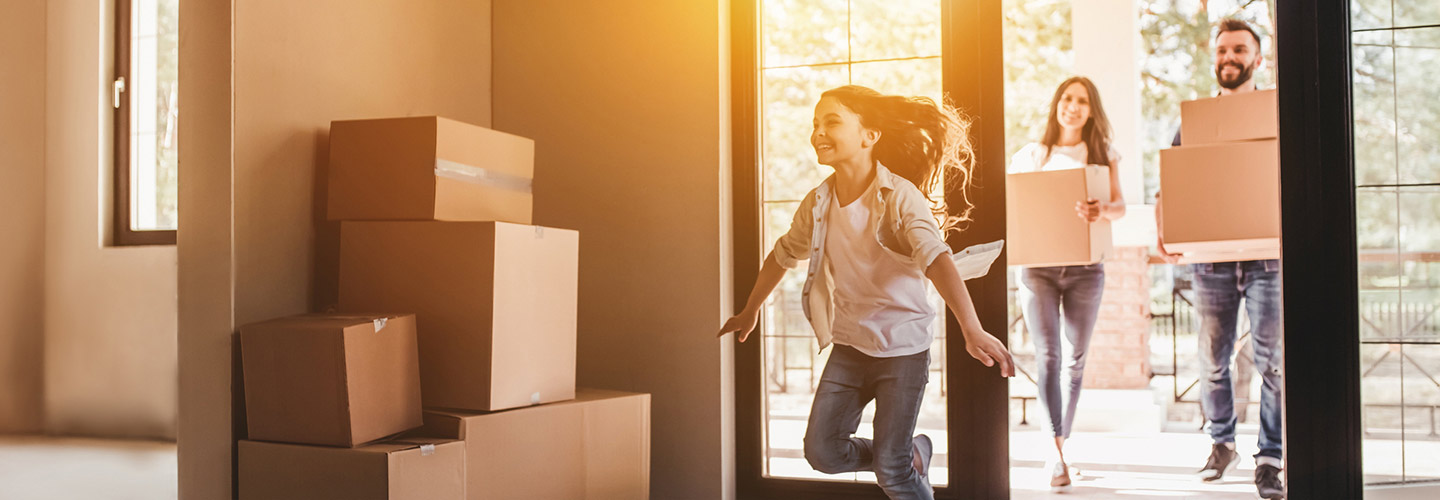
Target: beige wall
22,214
110,355
255,244
627,103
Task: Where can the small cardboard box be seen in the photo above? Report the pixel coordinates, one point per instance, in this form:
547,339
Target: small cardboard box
408,469
496,304
595,447
1236,117
428,168
1221,198
1041,224
338,380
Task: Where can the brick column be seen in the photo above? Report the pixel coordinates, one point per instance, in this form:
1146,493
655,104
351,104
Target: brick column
1120,349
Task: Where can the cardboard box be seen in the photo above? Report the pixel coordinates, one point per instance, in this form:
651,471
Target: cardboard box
1237,117
495,304
1041,224
428,168
409,469
339,380
1221,198
595,447
1237,256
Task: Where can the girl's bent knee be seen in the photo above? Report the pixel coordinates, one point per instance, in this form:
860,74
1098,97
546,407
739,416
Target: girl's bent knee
824,458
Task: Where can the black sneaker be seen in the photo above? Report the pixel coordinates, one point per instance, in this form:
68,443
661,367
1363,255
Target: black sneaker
1267,482
1222,459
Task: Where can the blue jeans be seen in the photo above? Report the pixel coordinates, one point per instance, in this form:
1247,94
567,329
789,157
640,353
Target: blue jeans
1219,288
1047,295
851,379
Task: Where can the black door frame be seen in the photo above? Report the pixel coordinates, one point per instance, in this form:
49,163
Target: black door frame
1322,383
1317,218
973,77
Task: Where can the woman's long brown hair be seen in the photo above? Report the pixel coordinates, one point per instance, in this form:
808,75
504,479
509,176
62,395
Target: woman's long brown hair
1096,133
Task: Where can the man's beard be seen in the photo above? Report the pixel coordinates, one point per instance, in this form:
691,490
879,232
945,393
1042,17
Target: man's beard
1239,79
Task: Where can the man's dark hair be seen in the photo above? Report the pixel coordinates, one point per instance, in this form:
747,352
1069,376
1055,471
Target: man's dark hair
1232,24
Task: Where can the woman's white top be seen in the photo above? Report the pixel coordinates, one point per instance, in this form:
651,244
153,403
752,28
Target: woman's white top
1031,158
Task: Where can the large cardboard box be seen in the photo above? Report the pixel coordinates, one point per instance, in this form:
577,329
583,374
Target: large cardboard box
1235,256
495,304
1221,198
1041,224
338,380
410,469
1236,117
428,168
595,447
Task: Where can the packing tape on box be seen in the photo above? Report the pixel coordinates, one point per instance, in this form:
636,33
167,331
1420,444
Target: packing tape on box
476,175
426,449
380,324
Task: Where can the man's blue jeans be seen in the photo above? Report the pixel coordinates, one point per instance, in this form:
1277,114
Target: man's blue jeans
1219,288
851,379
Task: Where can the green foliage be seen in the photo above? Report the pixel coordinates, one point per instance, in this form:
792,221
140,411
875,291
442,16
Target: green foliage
1038,56
1178,61
166,130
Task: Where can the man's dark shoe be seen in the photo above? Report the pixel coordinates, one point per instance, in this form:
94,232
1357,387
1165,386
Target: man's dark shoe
1222,459
1267,482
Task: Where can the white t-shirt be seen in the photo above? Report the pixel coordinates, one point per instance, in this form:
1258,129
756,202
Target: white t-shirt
1030,158
881,306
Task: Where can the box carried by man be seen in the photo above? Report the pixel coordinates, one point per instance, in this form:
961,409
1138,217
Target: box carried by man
1221,188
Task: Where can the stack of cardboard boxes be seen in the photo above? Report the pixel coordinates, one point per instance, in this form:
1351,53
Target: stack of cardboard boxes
1221,188
435,221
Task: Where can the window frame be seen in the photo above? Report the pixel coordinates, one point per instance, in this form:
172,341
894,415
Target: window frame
1317,186
970,38
122,234
1323,447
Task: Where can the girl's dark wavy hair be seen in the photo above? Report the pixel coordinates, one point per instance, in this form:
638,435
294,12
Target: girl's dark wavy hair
1096,132
925,142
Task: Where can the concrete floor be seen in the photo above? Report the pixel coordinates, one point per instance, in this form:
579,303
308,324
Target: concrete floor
47,468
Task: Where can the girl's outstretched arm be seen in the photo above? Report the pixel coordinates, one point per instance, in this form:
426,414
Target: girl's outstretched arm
980,344
744,323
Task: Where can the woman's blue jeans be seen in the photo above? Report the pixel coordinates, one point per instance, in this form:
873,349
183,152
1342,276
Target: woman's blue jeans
1050,296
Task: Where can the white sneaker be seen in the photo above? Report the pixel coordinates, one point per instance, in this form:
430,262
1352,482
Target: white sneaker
1059,477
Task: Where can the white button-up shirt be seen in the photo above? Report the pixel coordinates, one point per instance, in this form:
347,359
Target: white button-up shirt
904,227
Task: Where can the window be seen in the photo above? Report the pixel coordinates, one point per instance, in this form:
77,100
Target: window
1396,111
805,48
145,128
